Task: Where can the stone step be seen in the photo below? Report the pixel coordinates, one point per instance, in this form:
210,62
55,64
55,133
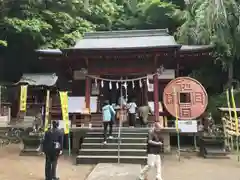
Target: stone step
123,129
81,159
216,152
115,134
115,140
113,146
113,152
211,156
3,131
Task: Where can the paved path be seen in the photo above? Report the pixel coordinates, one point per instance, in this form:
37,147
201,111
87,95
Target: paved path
115,172
187,169
32,168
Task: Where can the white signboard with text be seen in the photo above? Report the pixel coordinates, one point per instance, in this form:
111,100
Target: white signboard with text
61,124
77,104
166,74
188,126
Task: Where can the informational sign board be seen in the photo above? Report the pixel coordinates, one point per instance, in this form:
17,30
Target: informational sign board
187,126
80,75
77,104
61,124
166,74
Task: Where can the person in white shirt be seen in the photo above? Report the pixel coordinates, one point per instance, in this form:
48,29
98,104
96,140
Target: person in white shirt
132,113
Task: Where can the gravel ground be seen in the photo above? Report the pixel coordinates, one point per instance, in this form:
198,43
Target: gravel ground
32,168
14,167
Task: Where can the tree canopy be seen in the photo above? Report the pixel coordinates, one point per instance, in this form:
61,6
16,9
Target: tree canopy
30,24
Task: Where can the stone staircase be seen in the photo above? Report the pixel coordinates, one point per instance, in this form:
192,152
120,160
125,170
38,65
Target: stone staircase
132,147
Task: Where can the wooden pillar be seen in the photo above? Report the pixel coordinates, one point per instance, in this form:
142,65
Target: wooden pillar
178,70
87,92
87,116
145,94
156,97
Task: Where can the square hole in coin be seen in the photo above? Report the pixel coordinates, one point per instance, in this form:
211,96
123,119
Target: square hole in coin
185,97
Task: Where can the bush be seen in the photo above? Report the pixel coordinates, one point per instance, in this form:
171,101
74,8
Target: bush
220,100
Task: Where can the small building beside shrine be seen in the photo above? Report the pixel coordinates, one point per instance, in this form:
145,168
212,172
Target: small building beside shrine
143,61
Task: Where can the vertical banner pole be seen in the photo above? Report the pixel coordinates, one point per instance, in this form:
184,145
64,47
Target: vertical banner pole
236,122
176,123
46,121
195,141
64,105
230,118
120,123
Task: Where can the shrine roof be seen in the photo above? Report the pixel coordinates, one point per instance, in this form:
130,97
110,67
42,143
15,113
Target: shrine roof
48,79
130,39
189,48
126,40
49,51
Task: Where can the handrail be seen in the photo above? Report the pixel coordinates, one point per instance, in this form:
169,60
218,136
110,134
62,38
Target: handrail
119,137
120,124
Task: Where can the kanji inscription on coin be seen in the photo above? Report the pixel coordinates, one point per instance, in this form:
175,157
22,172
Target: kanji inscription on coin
187,96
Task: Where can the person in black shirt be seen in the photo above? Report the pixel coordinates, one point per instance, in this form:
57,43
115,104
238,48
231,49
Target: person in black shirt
52,147
154,148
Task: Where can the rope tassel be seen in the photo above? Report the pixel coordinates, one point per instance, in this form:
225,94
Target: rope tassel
110,85
140,83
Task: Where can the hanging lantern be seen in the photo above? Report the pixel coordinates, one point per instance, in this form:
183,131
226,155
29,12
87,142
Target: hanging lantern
140,83
133,85
117,85
102,84
110,85
96,84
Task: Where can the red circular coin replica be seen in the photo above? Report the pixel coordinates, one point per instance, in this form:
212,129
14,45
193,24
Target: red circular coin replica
185,97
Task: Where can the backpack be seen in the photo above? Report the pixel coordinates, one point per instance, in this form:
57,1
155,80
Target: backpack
55,144
50,142
112,114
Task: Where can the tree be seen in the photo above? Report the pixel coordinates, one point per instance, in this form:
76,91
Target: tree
213,22
26,25
147,14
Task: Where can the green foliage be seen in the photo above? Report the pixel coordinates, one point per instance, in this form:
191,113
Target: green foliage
147,14
207,75
52,24
3,43
213,22
216,22
58,24
220,100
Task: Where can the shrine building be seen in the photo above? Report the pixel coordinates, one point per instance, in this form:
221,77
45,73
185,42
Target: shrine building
143,61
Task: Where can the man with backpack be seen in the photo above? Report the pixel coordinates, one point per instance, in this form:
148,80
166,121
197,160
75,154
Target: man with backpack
52,147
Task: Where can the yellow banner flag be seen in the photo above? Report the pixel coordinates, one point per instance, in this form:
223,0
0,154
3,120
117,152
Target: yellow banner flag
23,98
229,108
64,106
235,112
47,111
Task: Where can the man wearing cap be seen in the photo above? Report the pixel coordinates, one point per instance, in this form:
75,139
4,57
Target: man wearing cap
52,147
